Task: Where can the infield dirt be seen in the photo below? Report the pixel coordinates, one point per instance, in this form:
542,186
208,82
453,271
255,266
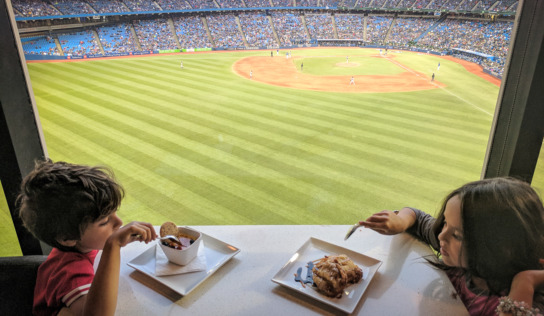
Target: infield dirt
282,72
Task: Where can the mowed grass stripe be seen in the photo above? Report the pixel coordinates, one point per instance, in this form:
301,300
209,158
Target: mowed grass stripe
382,128
177,73
214,71
399,109
401,105
131,209
257,172
143,159
426,127
388,188
132,109
441,168
387,133
272,139
200,206
431,126
248,87
196,184
203,212
239,189
226,94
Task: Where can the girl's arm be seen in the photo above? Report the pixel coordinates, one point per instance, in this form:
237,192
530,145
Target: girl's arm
410,220
523,288
389,222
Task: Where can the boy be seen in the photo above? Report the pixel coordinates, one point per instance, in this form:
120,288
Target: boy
73,209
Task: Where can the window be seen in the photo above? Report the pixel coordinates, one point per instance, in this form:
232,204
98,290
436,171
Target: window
317,131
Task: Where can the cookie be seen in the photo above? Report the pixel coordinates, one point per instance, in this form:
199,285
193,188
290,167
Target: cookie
169,228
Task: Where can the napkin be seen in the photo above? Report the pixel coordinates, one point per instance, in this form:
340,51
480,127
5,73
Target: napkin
165,267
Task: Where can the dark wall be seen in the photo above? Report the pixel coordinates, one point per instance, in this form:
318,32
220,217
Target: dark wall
20,133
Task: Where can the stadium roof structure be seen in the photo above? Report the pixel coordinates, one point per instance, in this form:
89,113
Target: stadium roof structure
92,15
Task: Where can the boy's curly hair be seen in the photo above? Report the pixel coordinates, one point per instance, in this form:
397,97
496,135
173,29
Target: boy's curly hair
58,200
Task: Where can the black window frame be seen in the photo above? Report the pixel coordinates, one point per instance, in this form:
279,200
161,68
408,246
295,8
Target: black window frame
513,147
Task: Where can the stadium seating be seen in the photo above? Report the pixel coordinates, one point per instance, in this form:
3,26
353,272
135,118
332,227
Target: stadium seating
293,27
224,31
231,3
320,26
202,4
282,3
305,3
117,39
350,26
79,43
68,7
191,32
422,4
406,30
289,28
257,30
154,34
39,45
138,5
377,27
258,3
167,5
109,6
30,8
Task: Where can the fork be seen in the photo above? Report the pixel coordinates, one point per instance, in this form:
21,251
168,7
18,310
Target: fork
352,230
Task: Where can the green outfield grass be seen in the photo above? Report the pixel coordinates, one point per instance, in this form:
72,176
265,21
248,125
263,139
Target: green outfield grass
204,146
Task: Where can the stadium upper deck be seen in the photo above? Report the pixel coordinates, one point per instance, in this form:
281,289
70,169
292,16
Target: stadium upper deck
470,36
58,8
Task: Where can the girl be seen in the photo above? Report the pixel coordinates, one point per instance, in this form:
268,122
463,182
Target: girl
489,235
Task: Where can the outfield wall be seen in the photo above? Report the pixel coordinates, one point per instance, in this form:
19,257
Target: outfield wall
30,57
190,50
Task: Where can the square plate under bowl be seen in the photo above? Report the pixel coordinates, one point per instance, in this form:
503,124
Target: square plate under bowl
314,249
217,254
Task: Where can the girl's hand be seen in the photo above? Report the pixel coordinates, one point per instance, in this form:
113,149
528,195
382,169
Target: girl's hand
134,231
389,222
386,222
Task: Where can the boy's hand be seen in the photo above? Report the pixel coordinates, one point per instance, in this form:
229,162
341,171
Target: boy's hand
133,231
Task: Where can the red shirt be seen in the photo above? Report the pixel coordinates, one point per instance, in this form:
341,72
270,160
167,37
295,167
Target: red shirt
476,304
62,278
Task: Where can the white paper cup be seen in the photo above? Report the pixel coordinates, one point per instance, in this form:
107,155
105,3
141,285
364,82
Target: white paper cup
185,255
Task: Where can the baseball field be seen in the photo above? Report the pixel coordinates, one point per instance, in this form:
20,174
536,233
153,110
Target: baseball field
246,138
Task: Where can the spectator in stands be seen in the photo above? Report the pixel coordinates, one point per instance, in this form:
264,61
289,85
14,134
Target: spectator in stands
191,32
320,26
257,30
224,31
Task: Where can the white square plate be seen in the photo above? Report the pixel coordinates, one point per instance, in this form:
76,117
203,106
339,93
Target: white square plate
314,249
217,254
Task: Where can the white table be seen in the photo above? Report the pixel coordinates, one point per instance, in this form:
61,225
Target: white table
404,285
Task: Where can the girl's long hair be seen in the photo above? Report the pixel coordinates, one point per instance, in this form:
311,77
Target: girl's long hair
503,229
